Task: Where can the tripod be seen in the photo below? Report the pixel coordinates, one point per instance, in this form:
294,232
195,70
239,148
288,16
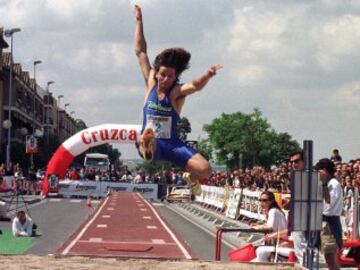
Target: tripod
18,197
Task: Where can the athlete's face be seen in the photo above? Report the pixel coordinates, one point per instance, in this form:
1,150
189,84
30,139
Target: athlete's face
165,77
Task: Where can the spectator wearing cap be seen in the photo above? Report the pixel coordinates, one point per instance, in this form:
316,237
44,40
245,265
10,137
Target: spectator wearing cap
331,233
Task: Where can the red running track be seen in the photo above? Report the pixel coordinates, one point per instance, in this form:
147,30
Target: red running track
126,225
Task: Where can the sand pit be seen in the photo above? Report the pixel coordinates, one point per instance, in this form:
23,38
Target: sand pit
51,263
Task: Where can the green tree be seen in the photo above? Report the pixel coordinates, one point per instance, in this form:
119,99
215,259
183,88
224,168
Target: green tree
156,166
205,148
183,128
283,147
250,137
113,153
80,124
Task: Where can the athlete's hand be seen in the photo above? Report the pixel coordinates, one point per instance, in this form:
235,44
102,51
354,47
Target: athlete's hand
137,13
213,69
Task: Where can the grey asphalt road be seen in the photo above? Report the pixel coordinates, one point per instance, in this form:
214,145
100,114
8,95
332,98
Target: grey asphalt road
57,219
200,239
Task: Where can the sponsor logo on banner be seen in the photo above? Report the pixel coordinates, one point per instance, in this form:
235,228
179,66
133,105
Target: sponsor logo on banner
104,135
116,188
143,190
64,186
70,188
84,187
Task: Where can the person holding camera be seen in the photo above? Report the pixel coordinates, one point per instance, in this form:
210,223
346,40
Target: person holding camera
331,233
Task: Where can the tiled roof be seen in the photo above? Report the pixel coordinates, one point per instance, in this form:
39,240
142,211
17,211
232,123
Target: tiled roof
23,75
32,83
17,69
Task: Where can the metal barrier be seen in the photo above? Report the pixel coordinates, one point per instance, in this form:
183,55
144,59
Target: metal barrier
220,231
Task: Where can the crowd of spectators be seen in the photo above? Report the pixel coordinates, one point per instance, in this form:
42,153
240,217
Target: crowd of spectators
125,175
276,179
27,182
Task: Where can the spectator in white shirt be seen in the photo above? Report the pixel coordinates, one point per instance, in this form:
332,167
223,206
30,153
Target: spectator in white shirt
139,178
22,225
331,233
276,222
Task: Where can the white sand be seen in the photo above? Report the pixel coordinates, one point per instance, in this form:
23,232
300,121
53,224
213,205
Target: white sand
30,262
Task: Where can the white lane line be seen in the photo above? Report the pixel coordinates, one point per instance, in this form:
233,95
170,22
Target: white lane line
101,226
146,217
75,200
110,208
95,240
204,229
158,241
143,209
105,216
150,227
77,238
173,236
55,200
153,242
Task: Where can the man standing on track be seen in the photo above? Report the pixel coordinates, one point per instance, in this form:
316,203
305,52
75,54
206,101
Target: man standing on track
164,99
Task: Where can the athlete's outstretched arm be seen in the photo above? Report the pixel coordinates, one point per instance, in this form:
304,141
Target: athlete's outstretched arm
197,84
140,44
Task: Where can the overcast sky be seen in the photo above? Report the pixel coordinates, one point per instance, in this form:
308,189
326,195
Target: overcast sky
295,60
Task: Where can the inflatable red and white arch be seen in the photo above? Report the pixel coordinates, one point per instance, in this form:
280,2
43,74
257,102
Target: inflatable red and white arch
83,140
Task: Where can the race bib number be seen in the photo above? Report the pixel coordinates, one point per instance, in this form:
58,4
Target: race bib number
160,124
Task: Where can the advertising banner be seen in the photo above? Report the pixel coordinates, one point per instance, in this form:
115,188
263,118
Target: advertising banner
70,188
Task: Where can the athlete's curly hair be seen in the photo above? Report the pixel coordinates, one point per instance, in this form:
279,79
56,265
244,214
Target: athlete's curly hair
177,58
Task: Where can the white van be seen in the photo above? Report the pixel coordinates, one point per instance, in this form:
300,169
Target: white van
97,161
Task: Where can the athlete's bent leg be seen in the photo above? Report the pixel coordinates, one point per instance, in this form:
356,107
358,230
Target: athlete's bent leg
197,166
147,145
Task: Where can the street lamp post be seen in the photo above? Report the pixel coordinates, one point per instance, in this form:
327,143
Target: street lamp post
37,62
59,98
58,115
10,33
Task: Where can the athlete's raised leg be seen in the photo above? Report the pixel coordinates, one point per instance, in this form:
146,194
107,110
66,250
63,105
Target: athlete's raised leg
196,167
